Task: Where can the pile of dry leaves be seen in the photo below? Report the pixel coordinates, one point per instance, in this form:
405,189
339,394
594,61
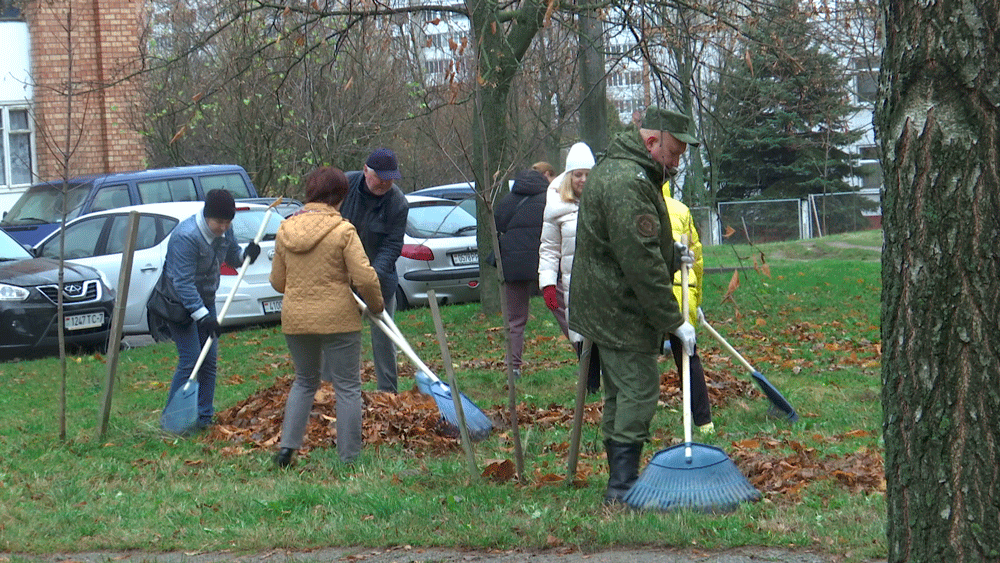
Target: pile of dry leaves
411,420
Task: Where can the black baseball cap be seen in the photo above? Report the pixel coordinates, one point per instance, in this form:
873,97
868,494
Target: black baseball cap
383,162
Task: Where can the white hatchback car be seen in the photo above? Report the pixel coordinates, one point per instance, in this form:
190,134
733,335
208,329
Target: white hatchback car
439,253
98,239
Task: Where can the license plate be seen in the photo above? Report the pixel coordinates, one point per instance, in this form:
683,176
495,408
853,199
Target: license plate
81,322
273,306
464,258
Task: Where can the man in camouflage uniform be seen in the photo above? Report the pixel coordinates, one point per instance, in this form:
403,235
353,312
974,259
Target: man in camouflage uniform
622,291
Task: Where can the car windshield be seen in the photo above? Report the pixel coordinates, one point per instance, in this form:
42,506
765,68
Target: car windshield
43,203
439,219
10,249
247,222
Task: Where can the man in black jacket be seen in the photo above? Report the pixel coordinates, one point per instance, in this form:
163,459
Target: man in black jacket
377,208
519,226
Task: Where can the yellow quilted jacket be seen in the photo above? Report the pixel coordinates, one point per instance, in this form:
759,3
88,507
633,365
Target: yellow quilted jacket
318,257
682,223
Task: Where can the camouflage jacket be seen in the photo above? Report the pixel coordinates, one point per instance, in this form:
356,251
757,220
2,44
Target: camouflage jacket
622,272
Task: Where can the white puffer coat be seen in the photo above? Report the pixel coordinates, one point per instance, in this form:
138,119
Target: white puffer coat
558,243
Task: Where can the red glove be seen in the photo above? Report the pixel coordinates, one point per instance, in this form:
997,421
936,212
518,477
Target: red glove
551,301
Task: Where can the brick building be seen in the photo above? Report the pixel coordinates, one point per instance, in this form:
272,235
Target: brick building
96,47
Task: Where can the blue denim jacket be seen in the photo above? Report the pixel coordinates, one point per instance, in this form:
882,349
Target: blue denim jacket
194,255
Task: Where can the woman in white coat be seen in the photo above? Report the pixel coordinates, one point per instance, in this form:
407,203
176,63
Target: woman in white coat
558,243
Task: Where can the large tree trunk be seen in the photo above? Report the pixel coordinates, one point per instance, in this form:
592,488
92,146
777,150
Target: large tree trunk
500,48
594,105
939,128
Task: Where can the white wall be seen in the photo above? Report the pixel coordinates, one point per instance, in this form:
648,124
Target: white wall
15,84
15,64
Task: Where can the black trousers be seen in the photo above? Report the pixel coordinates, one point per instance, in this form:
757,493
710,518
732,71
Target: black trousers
701,409
594,373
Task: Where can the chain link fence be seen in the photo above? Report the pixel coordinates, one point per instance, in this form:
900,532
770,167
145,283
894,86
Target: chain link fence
833,214
745,222
775,220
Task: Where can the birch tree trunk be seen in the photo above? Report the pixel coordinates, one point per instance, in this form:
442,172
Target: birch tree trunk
938,124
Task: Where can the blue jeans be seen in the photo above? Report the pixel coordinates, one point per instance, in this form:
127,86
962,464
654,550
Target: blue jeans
189,341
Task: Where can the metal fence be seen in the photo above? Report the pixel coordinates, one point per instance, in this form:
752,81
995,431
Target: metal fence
773,220
833,214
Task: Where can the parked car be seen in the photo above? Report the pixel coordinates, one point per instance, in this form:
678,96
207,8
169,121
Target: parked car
98,240
38,211
463,192
286,208
439,253
29,292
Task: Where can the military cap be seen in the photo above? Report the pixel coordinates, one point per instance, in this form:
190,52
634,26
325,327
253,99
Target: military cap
677,124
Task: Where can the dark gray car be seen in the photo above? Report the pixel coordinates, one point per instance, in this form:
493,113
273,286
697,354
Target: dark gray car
29,290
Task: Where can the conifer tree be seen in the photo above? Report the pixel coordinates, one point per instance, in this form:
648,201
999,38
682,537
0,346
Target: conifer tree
781,111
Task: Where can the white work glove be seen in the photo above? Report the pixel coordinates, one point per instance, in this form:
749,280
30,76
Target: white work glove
682,256
685,333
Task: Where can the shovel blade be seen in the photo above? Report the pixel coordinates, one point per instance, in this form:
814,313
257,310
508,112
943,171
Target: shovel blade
180,416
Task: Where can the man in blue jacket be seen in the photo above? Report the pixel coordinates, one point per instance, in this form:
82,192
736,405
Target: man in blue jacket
377,208
198,246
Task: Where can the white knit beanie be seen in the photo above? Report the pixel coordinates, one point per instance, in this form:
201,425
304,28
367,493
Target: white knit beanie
579,157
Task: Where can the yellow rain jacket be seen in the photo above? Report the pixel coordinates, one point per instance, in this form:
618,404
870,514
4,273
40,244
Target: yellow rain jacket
682,223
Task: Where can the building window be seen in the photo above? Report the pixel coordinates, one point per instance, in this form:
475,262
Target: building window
869,152
625,78
866,80
16,162
627,107
10,10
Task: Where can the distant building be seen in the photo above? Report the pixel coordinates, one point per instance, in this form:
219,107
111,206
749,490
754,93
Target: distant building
101,45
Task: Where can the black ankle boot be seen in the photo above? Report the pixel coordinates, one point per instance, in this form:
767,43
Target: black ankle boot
284,457
623,469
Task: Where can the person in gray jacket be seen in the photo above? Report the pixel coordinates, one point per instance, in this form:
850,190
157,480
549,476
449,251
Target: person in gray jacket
198,246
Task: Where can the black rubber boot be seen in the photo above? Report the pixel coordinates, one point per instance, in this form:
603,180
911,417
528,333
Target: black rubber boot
623,469
284,457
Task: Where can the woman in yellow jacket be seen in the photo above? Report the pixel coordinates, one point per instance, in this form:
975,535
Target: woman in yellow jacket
318,258
682,225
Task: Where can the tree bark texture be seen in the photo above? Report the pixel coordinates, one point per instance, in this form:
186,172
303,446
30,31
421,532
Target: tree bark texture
594,102
501,40
938,124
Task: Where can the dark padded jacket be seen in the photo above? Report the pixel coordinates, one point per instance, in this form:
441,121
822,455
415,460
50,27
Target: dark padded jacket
381,223
519,226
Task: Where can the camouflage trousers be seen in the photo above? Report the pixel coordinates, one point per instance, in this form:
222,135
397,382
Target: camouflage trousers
631,390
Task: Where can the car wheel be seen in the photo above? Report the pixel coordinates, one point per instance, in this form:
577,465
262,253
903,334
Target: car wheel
158,328
401,303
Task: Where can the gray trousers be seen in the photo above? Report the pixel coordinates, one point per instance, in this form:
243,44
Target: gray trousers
518,295
384,353
337,359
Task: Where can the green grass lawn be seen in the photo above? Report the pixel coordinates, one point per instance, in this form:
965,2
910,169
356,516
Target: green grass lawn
807,317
